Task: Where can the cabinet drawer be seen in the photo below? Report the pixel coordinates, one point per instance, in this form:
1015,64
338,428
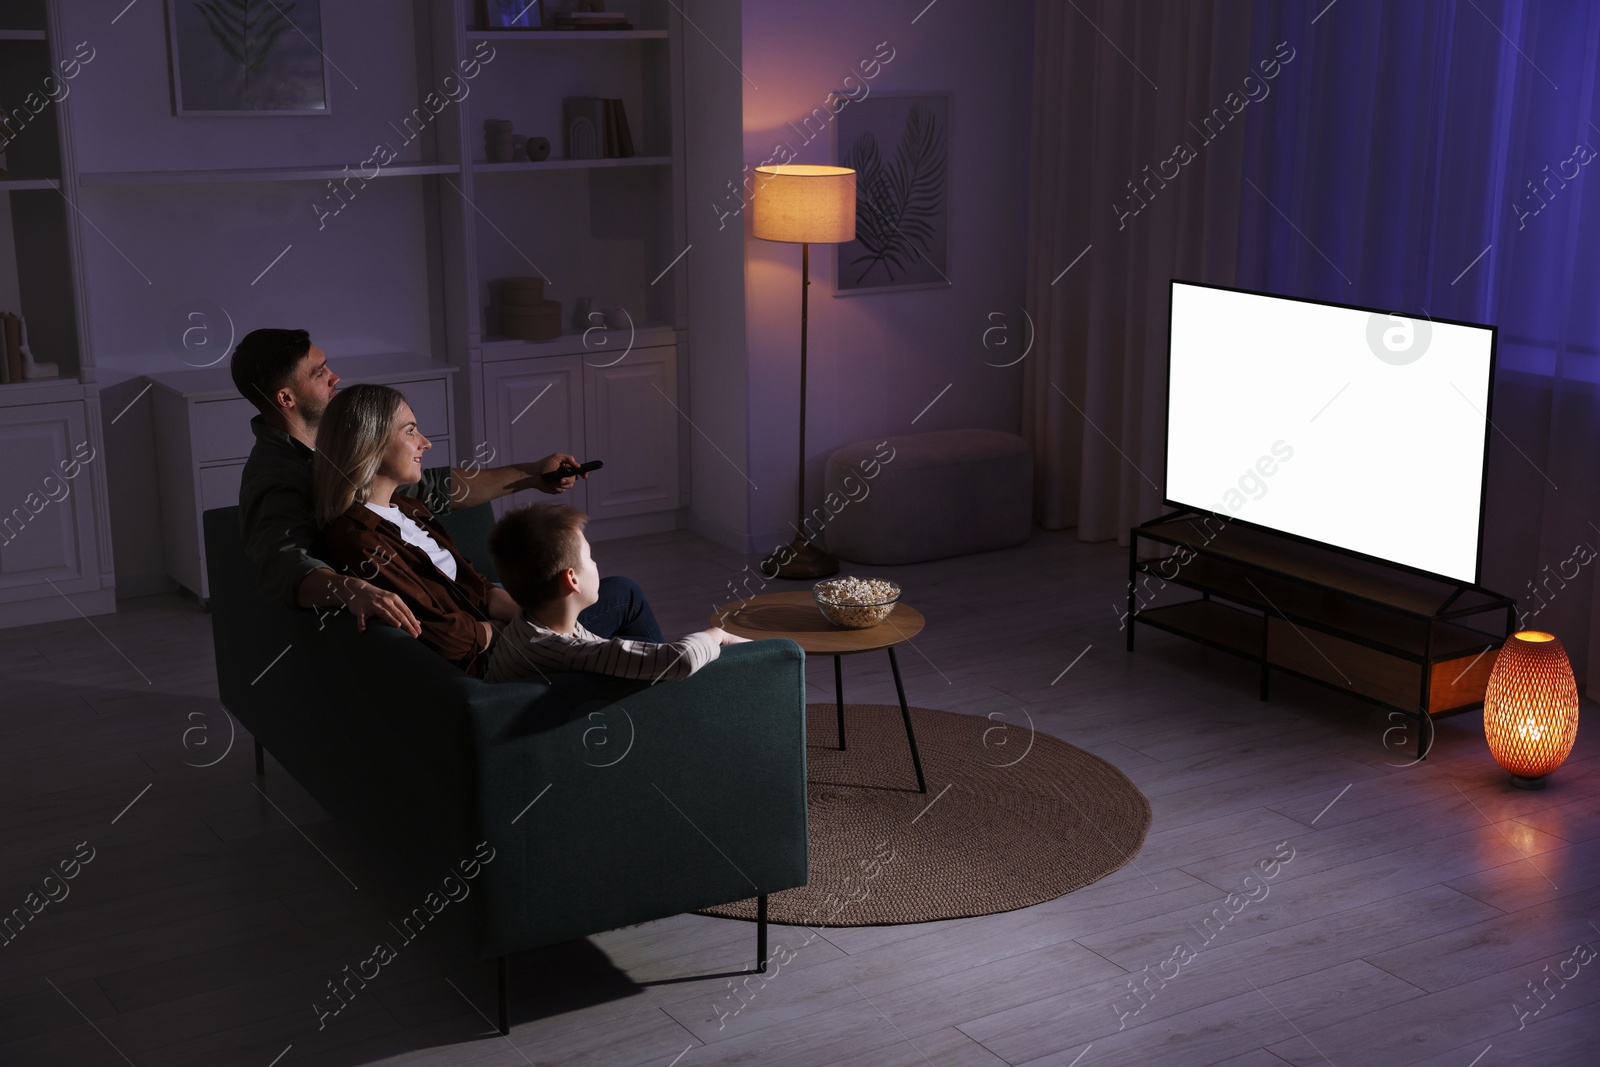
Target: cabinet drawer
222,430
219,486
429,401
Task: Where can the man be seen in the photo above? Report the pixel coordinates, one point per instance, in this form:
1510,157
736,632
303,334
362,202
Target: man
289,381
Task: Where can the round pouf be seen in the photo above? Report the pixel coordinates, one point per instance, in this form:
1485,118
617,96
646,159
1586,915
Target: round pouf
1011,818
929,495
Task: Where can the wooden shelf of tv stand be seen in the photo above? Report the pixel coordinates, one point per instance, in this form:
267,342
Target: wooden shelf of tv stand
1330,611
1380,633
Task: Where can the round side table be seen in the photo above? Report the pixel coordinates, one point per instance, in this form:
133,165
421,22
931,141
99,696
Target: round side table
796,616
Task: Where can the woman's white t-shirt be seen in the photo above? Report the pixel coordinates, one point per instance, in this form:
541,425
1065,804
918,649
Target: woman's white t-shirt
413,534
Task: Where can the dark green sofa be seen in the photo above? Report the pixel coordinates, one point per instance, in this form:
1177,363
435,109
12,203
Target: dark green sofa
606,802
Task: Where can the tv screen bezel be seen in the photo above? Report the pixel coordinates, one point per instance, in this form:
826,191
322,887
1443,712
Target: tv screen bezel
1488,425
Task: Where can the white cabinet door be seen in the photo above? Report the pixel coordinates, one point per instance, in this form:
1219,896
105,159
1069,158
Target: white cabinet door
631,423
46,502
531,409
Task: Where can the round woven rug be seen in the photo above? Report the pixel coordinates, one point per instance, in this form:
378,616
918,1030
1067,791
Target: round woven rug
1012,817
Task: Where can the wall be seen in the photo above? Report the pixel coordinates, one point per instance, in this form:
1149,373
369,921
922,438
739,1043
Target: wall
359,283
876,362
718,386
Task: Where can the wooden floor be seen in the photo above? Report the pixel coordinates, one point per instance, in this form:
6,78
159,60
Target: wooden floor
1420,902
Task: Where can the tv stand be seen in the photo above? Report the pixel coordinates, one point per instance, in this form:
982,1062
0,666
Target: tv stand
1376,631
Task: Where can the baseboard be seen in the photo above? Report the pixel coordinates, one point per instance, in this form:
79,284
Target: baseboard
635,525
764,545
721,533
150,584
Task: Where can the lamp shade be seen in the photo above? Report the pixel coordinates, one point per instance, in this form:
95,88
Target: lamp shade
813,205
1530,711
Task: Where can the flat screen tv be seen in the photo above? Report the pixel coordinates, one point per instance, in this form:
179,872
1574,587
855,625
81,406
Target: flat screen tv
1352,427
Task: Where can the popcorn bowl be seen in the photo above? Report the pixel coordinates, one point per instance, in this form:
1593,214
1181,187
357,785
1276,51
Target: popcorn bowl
855,603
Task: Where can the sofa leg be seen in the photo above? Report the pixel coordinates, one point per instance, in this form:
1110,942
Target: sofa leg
505,1015
261,763
761,934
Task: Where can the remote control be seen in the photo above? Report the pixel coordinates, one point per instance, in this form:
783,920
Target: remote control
566,470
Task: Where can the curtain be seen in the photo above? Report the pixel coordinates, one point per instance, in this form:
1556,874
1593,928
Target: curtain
1434,158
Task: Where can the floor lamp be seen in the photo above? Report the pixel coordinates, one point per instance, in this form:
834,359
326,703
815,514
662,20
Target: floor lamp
803,205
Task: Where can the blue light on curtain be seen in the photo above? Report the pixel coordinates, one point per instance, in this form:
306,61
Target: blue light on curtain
1431,157
1443,158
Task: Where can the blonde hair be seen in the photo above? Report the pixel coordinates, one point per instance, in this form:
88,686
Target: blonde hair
351,439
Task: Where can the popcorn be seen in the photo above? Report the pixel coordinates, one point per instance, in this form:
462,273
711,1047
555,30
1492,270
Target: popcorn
856,603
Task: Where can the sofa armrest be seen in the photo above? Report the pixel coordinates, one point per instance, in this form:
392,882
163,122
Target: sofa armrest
646,800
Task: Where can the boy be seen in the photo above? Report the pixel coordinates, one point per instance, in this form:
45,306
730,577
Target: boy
545,563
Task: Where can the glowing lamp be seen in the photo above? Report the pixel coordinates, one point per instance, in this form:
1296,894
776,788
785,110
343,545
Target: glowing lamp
803,205
1530,711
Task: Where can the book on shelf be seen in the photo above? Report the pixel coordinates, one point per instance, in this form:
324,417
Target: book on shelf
610,107
13,352
16,360
624,136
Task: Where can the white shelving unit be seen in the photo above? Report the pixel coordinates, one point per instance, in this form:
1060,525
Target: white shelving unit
55,541
259,174
599,345
480,166
610,230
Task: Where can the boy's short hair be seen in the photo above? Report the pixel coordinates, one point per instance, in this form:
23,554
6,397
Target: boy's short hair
533,546
264,362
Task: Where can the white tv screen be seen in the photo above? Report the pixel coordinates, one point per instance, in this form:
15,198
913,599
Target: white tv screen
1356,428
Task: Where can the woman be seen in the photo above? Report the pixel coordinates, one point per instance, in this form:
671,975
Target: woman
368,445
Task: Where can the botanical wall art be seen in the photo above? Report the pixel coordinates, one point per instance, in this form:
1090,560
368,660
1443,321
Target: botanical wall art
899,146
247,57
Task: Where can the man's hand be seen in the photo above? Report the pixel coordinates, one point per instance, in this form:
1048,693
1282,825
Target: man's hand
486,631
539,468
723,637
470,487
324,588
367,601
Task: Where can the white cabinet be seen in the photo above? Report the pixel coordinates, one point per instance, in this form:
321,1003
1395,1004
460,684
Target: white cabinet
631,423
203,438
49,551
55,549
534,407
624,414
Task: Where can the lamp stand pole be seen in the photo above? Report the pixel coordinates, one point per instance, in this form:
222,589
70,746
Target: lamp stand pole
801,559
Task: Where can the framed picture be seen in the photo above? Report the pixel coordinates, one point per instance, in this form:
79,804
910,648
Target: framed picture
899,146
247,57
512,15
